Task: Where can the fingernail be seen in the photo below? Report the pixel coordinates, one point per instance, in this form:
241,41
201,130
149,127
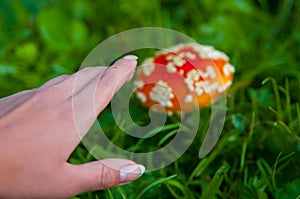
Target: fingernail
131,172
130,57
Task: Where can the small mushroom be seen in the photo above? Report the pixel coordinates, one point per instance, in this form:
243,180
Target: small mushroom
184,75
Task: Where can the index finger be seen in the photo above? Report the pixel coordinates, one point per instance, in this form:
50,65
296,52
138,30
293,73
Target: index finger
94,97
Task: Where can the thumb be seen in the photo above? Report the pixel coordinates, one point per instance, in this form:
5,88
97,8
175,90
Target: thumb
103,174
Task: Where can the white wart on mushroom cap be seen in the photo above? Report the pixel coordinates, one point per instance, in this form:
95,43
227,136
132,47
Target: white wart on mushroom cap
184,75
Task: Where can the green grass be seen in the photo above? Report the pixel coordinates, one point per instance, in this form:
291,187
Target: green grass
258,154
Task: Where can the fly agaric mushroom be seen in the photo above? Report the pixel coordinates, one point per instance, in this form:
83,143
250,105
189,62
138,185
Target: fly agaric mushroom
184,75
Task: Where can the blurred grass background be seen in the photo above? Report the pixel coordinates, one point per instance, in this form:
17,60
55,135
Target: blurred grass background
258,155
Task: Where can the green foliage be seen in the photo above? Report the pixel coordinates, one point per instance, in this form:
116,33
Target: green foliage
290,190
72,33
211,189
258,154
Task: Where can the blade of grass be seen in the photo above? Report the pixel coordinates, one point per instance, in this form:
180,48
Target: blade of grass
288,101
161,129
156,183
110,194
264,168
285,126
274,172
199,167
155,131
277,96
266,173
173,192
205,162
298,113
180,187
243,154
288,160
246,173
287,156
122,193
213,186
245,144
166,137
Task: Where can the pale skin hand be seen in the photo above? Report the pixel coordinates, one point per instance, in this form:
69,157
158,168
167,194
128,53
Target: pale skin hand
37,136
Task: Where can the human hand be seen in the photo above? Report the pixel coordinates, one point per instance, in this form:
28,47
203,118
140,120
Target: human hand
38,134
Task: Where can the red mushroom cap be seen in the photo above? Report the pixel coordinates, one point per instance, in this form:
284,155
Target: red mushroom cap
184,75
